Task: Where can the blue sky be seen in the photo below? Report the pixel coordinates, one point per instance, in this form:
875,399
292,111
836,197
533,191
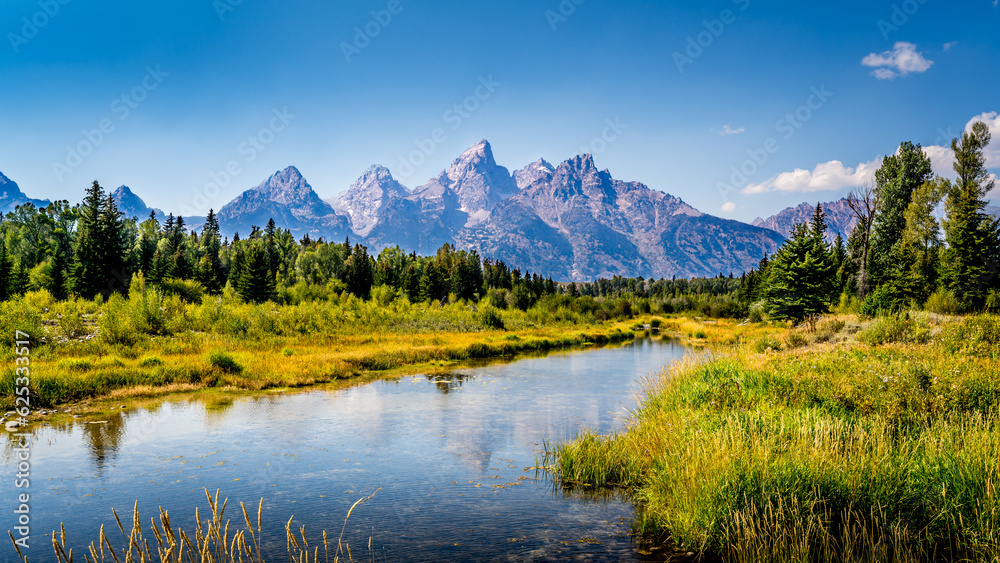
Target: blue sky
185,90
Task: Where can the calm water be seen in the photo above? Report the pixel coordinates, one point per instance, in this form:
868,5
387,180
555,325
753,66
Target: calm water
453,455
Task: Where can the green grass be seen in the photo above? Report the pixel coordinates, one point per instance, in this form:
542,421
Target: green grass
831,453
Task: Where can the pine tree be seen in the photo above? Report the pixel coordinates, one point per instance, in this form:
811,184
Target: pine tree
800,277
89,275
359,275
255,282
5,271
432,283
971,259
57,274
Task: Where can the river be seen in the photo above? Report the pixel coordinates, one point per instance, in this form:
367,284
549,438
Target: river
451,456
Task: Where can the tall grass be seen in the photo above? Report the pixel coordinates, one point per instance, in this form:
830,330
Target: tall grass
213,540
858,453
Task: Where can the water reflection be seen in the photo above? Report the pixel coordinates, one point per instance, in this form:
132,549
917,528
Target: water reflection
448,382
454,454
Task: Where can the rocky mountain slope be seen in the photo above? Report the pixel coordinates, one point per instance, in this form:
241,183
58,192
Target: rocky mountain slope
11,196
839,218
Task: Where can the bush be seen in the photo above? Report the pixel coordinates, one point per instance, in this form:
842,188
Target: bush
490,318
943,302
993,302
766,343
225,362
115,324
894,328
70,321
882,301
189,291
699,334
796,340
14,316
150,361
758,312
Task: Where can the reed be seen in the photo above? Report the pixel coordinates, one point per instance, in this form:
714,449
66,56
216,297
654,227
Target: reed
213,540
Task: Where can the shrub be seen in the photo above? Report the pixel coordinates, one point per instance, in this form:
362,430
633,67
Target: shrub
699,334
758,312
765,343
882,301
490,318
498,297
150,361
115,324
75,364
70,321
796,340
993,302
894,328
189,291
943,302
14,316
225,362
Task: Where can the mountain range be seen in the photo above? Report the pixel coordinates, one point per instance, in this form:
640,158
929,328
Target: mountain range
570,221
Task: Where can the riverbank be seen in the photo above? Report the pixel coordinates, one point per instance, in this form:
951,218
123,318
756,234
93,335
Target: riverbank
137,347
871,440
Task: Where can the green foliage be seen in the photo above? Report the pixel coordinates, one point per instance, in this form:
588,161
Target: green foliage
972,257
189,290
150,362
767,344
889,329
490,318
115,325
885,300
943,302
70,318
978,335
224,361
801,277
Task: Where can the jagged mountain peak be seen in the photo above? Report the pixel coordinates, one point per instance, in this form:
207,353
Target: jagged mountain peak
365,201
532,173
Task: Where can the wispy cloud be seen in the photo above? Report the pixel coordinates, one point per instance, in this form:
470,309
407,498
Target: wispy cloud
950,44
728,207
828,176
903,59
727,130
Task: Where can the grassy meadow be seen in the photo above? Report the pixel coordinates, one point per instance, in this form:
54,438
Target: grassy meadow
863,441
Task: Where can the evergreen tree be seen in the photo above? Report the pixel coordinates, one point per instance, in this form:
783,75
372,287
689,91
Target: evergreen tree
971,259
19,281
432,283
359,274
89,275
411,283
800,277
57,271
5,271
255,282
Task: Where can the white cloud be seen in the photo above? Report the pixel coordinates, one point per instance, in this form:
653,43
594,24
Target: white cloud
942,157
727,130
728,207
900,61
828,176
949,45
